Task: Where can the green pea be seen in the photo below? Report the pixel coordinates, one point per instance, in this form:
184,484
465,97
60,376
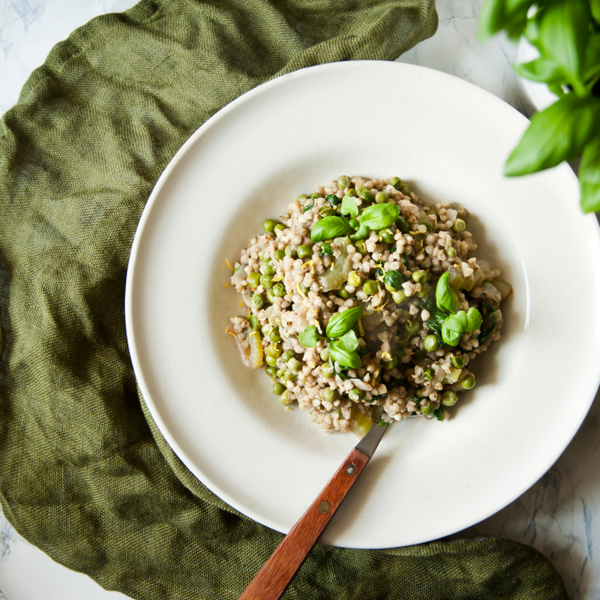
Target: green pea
329,395
355,395
266,268
459,225
430,343
399,297
301,197
402,224
428,224
388,366
269,225
304,289
360,247
271,372
327,371
270,296
324,355
266,281
253,279
288,355
428,374
305,251
381,197
277,321
280,373
294,365
343,182
411,326
370,287
419,277
457,362
289,251
426,410
387,236
425,289
333,200
351,192
449,398
274,349
274,335
254,322
286,399
279,227
344,294
271,361
354,279
290,376
279,254
451,252
315,196
395,182
366,194
469,383
328,212
405,189
279,290
278,388
258,301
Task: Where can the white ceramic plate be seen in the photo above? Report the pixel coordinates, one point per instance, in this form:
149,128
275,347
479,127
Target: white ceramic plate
450,140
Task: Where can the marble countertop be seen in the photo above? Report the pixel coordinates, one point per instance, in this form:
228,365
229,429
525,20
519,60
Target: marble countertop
559,515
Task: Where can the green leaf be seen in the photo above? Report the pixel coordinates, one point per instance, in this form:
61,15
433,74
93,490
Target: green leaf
558,133
379,216
474,319
349,206
342,322
445,295
495,15
348,341
589,176
393,280
595,6
308,207
453,327
346,358
541,69
591,67
329,228
326,250
309,337
564,31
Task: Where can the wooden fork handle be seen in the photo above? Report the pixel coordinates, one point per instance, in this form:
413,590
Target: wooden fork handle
275,575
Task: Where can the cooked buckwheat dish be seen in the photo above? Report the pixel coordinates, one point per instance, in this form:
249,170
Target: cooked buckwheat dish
363,302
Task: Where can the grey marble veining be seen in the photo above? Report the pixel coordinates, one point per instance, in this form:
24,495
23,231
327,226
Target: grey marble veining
559,515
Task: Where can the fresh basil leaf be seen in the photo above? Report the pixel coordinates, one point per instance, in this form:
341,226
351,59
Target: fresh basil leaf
329,228
333,200
558,133
344,357
309,337
362,234
445,295
541,69
495,15
349,206
348,341
308,207
379,216
342,322
589,177
453,327
394,280
595,6
564,31
474,319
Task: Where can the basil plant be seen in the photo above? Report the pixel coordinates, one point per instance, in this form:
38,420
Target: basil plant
567,35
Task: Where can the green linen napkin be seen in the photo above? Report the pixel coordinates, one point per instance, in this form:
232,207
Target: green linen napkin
83,474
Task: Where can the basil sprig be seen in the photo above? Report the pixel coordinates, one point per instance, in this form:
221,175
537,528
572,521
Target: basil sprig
344,352
566,34
309,337
342,322
329,228
379,216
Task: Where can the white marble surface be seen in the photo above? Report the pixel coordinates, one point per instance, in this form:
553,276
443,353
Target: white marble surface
559,515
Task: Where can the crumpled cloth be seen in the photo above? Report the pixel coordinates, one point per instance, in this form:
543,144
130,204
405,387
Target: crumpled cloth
84,475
